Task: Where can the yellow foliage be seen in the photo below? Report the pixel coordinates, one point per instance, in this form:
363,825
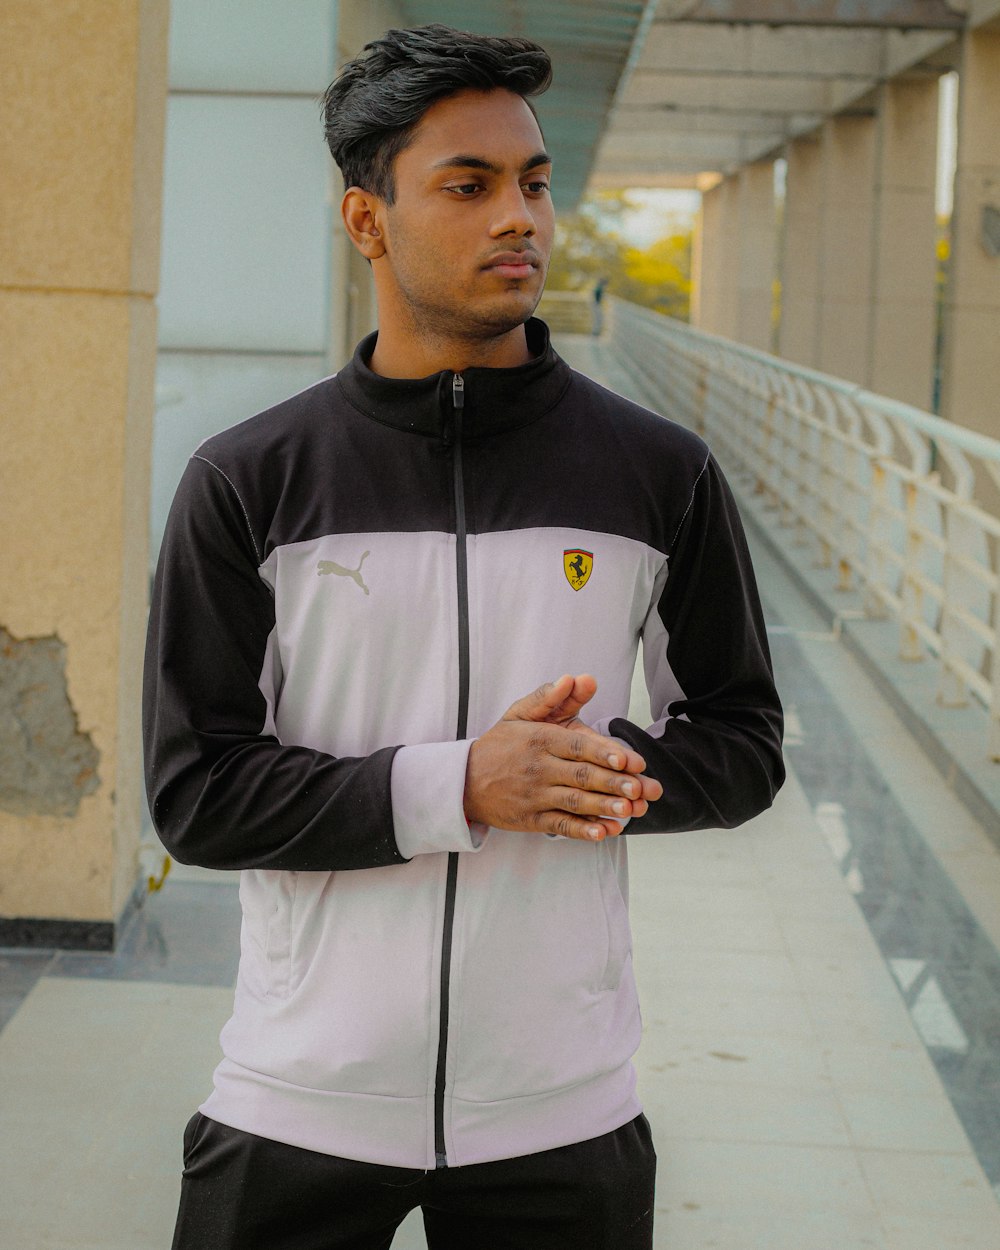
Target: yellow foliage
665,263
591,246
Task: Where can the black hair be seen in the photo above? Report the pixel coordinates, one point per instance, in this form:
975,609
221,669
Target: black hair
371,111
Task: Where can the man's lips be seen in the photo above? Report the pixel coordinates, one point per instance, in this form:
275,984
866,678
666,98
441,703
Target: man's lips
514,264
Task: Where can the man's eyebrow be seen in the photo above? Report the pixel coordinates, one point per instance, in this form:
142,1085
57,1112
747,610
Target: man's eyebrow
479,162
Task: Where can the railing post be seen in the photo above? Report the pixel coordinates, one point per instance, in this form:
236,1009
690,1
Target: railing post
701,396
878,539
994,709
911,592
952,690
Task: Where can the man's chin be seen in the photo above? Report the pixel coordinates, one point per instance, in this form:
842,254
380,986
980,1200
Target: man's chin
504,315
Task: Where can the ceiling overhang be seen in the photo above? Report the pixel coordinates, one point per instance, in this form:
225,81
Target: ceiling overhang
894,14
590,42
683,92
721,83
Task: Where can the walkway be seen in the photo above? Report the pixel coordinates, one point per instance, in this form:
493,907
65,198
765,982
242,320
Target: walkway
821,992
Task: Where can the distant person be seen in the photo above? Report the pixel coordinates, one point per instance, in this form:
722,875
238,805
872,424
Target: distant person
435,1005
597,324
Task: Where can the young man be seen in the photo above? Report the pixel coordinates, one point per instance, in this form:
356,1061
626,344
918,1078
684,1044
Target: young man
435,1004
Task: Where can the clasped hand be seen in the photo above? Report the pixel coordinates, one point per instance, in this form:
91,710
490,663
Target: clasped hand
541,769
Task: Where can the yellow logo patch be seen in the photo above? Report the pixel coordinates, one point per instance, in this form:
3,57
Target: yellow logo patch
577,565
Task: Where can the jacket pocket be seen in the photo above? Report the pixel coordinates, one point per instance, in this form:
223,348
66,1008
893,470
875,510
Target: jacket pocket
268,900
616,918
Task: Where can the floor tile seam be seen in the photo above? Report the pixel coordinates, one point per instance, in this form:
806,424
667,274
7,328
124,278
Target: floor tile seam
929,1074
914,1152
82,985
844,1146
857,1139
740,994
846,1149
858,1157
716,1209
785,1089
887,992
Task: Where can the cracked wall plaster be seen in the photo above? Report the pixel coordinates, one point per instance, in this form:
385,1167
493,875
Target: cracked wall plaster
47,764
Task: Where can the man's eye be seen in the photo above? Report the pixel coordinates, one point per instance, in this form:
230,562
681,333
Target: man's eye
537,187
466,188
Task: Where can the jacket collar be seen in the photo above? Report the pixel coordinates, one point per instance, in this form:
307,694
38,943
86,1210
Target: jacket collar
495,399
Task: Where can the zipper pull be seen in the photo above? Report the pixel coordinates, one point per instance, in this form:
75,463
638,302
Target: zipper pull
458,391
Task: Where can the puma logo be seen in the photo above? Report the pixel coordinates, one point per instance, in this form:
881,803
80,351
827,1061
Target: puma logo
325,567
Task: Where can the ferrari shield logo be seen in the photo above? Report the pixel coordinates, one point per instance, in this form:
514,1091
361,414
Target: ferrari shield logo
577,566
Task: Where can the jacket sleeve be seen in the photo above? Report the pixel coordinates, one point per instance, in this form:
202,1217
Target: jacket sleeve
223,791
716,743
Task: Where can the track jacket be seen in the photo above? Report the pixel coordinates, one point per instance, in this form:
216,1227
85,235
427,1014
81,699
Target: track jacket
352,586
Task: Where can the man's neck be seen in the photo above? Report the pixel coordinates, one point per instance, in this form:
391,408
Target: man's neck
408,356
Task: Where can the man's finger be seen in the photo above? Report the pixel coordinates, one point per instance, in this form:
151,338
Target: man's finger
593,803
563,825
541,703
594,778
584,689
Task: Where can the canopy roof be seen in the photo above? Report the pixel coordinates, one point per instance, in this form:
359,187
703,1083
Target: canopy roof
590,42
679,92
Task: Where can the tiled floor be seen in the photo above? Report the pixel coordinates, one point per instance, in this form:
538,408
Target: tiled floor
821,990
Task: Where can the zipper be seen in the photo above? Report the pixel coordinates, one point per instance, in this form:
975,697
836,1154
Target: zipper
451,884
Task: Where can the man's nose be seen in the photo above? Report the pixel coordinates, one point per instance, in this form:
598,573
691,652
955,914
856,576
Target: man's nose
513,214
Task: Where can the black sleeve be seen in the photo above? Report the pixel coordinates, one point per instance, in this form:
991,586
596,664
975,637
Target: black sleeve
224,793
717,748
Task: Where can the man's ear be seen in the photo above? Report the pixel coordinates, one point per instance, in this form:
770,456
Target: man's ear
363,213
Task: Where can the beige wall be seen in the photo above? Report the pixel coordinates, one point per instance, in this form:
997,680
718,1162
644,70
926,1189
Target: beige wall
85,87
971,389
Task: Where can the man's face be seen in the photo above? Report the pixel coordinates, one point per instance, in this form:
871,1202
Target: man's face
468,238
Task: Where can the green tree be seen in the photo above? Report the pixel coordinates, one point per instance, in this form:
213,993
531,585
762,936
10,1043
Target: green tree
593,243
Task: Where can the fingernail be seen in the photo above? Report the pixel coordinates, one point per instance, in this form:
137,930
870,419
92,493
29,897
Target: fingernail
616,761
619,808
594,832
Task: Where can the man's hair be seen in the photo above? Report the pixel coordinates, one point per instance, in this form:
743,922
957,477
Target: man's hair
371,111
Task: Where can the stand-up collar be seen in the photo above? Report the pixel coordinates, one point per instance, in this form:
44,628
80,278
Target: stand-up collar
495,399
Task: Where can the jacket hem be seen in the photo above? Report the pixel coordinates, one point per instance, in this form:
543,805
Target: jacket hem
391,1131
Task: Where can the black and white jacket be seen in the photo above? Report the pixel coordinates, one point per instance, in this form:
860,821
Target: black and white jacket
352,586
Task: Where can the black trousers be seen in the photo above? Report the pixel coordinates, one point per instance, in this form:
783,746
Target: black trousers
242,1192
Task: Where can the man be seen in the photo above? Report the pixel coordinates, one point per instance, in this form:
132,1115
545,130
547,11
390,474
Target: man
435,1004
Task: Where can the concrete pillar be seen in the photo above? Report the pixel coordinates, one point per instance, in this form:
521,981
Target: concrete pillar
801,253
717,304
971,382
352,305
901,359
757,241
705,259
846,261
81,150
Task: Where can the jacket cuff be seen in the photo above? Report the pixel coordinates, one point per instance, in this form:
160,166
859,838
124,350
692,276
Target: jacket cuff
427,785
603,727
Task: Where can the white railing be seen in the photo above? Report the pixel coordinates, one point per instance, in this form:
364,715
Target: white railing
883,493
